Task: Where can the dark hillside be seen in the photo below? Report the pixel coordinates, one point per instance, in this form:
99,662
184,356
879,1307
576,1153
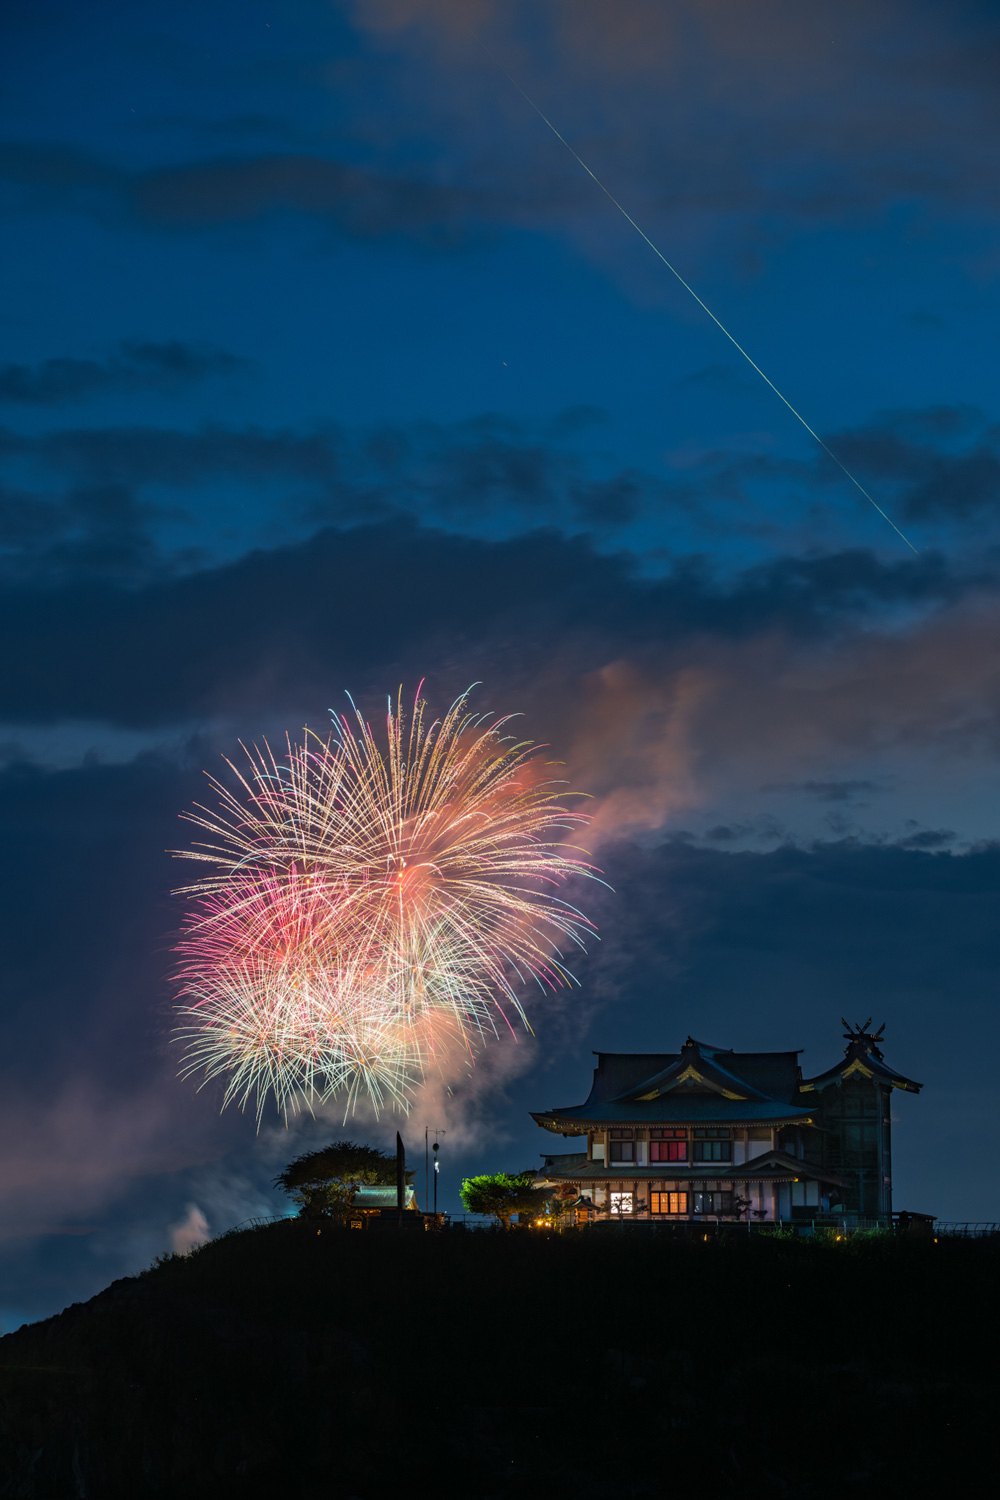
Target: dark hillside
336,1364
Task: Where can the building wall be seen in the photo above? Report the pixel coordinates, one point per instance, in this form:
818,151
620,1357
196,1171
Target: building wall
768,1201
856,1144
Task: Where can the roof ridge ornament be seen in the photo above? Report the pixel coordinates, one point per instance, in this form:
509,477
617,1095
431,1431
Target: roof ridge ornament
859,1033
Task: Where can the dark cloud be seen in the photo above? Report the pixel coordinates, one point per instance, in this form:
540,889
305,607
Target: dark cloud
360,202
718,376
490,469
611,502
485,468
470,475
345,600
338,603
94,530
943,463
141,365
958,488
166,456
827,791
53,172
928,838
27,519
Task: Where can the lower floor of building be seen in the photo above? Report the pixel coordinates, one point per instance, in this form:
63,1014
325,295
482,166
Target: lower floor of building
701,1200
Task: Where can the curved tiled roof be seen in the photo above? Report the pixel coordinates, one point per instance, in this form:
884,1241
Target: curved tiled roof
700,1085
863,1055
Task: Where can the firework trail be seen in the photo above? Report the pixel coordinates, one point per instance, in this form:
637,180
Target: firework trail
364,908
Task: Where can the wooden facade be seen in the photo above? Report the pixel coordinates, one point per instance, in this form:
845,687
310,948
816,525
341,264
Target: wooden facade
712,1134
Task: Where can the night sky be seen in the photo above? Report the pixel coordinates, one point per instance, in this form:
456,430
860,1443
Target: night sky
325,367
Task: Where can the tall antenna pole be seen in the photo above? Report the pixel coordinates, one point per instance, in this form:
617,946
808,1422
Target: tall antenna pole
400,1173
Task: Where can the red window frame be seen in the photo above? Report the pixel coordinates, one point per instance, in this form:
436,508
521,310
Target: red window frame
668,1150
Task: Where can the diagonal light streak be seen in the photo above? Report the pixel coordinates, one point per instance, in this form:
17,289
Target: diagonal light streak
705,308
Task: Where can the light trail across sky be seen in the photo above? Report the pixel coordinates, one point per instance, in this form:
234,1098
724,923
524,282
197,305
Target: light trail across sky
705,308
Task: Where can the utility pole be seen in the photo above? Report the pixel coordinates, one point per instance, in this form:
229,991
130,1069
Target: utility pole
437,1165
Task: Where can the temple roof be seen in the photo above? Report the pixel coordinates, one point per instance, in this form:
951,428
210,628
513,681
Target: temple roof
700,1085
862,1056
708,1085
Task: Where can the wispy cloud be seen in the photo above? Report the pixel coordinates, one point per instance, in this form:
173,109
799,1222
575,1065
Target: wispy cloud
139,365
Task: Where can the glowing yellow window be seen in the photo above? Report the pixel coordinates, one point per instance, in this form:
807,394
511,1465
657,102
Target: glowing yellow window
668,1203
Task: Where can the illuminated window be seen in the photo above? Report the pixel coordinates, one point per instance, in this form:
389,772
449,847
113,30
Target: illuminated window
622,1151
668,1203
668,1150
621,1203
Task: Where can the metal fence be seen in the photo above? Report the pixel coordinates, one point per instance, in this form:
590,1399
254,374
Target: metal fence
469,1221
257,1223
955,1229
974,1229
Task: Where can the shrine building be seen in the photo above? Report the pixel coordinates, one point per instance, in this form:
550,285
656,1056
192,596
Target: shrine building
708,1133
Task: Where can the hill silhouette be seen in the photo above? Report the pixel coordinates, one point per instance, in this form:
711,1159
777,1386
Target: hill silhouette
315,1361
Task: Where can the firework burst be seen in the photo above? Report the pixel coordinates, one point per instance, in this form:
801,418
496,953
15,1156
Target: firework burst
365,907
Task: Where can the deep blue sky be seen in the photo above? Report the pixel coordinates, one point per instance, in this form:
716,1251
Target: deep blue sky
325,367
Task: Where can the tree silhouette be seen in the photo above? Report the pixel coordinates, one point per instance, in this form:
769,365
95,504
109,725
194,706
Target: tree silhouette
323,1182
502,1195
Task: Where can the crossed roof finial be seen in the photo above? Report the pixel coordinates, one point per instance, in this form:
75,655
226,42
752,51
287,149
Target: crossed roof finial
859,1031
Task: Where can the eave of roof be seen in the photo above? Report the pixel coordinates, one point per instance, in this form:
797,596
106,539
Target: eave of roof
867,1066
671,1109
773,1166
